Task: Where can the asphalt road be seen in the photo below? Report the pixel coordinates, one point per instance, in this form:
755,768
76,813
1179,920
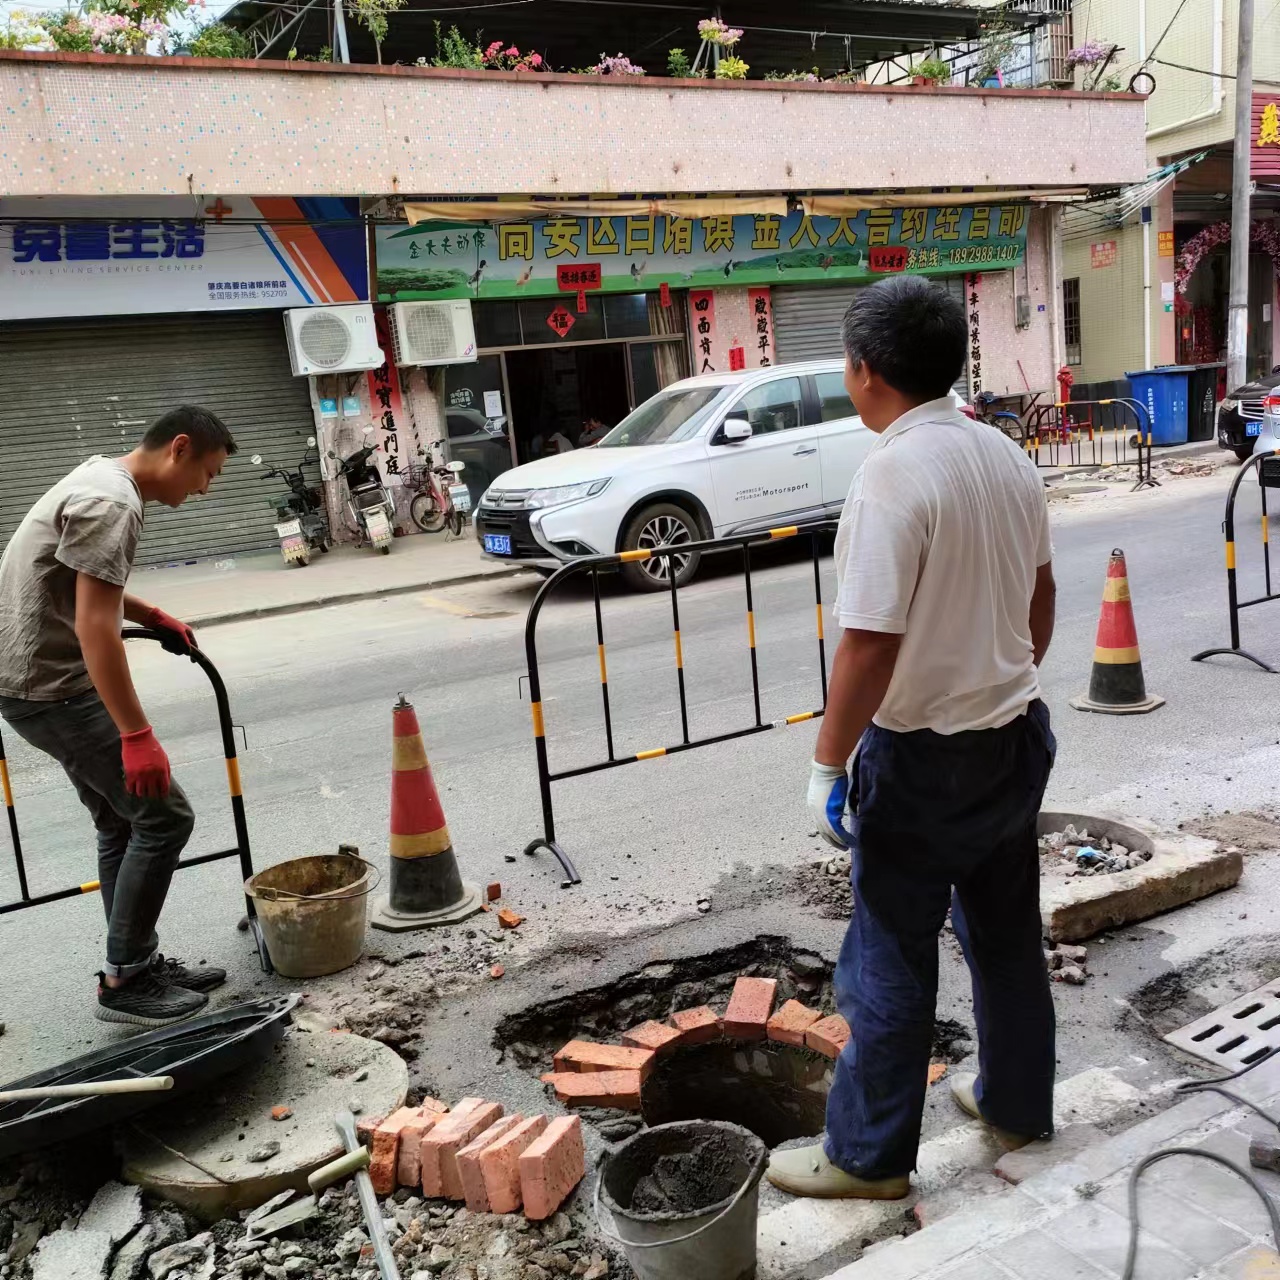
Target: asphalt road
314,693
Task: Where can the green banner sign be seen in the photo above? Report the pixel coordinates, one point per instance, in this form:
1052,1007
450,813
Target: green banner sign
538,258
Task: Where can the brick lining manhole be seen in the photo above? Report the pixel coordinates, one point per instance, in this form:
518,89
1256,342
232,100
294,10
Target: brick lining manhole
1238,1034
776,1090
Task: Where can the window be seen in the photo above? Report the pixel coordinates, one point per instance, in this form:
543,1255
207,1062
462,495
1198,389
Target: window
773,407
1071,318
833,400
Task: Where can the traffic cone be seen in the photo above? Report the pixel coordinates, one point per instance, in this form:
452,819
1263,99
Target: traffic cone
1116,686
426,887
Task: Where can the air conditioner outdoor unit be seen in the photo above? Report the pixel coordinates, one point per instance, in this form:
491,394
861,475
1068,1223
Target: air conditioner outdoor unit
332,340
433,332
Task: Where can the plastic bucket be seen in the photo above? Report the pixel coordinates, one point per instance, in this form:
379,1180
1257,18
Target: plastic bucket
712,1241
312,912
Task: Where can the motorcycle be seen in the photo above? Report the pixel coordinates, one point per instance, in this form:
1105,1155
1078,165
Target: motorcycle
301,525
370,508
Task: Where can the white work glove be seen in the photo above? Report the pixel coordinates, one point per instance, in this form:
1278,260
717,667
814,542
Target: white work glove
828,799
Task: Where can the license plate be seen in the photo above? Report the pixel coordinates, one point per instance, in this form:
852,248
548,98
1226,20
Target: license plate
1253,428
290,529
378,525
461,496
497,544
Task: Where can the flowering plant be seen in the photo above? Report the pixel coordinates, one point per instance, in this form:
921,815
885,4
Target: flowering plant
498,58
23,30
717,31
1266,235
732,68
616,66
1090,54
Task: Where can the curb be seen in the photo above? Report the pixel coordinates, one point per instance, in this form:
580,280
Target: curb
347,597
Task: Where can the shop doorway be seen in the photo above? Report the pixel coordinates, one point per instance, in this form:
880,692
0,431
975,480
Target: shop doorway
566,397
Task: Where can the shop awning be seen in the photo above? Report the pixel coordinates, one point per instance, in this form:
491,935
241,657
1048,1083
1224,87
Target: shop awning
500,210
838,206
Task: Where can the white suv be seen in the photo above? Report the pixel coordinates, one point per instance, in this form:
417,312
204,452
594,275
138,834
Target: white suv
706,457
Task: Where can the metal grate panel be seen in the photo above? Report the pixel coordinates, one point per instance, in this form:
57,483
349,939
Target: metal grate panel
1236,1035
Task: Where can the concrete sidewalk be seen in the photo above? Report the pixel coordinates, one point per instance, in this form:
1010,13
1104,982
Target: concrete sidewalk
261,585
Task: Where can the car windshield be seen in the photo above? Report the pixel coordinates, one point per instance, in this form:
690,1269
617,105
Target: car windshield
669,416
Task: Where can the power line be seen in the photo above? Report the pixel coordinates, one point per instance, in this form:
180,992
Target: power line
1165,32
1217,75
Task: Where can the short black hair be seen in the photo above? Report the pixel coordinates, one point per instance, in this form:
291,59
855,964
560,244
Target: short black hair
206,430
909,331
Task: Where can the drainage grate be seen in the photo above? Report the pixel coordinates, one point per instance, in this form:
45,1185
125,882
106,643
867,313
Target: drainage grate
1237,1035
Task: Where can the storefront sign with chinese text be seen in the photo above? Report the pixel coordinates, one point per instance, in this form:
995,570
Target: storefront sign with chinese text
388,413
1165,241
527,259
761,306
97,257
1264,155
702,310
975,338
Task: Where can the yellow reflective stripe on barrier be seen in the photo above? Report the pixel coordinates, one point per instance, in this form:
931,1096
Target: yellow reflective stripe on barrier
1265,536
1117,657
1106,402
4,780
1231,556
786,531
539,730
651,755
604,674
818,607
679,651
1115,590
804,715
90,886
233,775
638,554
751,629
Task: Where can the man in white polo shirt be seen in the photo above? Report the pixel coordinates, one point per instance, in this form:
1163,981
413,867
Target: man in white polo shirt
946,597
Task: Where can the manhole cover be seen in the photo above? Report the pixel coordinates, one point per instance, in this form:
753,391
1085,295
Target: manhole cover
1236,1035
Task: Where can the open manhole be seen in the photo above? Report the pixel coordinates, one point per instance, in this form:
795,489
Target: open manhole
777,1091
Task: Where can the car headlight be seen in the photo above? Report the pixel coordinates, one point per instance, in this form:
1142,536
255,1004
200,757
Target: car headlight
1230,406
560,494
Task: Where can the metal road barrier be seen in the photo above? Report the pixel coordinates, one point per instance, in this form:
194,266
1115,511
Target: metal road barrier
1268,467
241,850
1064,436
594,565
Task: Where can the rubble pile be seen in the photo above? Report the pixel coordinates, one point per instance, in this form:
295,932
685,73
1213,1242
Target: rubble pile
1075,853
1067,964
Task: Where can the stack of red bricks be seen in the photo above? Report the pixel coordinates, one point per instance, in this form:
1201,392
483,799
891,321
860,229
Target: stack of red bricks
496,1163
604,1075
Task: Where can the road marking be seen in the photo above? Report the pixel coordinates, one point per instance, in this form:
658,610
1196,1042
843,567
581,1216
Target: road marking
461,610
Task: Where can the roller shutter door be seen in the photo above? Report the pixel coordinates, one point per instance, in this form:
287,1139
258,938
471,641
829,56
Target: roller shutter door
807,319
74,389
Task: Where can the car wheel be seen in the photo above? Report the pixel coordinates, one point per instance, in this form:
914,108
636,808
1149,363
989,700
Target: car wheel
1243,451
661,525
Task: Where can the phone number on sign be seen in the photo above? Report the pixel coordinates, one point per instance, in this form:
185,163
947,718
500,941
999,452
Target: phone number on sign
971,253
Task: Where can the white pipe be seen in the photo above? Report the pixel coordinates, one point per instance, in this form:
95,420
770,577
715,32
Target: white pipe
1219,85
91,1088
1053,231
1146,295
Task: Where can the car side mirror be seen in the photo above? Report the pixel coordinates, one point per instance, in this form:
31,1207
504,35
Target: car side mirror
736,430
256,459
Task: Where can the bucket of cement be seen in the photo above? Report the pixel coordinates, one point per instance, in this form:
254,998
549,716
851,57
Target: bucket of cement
683,1198
312,912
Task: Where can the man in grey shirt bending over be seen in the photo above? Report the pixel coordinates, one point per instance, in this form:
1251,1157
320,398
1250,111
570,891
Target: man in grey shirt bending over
65,688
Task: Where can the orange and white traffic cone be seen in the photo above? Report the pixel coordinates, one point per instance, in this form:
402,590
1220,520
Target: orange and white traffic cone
426,887
1117,687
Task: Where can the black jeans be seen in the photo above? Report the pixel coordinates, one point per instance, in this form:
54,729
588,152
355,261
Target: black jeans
139,841
937,813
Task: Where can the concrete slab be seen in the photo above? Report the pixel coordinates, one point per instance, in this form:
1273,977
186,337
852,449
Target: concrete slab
116,1209
214,1174
1181,870
72,1255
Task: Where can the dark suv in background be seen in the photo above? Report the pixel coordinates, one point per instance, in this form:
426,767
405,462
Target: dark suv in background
1240,414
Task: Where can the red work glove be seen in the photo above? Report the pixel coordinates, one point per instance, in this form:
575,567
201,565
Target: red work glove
146,767
158,620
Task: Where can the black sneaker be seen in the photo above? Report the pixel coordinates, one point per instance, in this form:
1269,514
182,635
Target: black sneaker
148,999
202,979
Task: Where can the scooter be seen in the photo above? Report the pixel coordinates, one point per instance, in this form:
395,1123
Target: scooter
370,508
301,524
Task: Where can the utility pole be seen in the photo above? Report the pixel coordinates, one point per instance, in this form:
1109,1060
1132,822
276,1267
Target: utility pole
344,54
1241,190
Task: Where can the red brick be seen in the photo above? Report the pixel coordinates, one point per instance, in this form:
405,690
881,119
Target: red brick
698,1026
281,1112
652,1035
789,1024
500,1165
493,892
385,1155
509,919
597,1088
473,1188
747,1017
409,1167
587,1055
551,1167
440,1176
828,1036
365,1126
429,1159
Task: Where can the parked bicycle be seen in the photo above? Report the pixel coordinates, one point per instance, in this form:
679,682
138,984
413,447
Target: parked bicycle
1004,419
440,500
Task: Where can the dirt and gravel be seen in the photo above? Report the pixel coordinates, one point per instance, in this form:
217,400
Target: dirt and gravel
1255,831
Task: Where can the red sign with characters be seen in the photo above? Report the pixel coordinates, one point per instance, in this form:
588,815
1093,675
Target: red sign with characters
574,277
1264,136
560,321
887,258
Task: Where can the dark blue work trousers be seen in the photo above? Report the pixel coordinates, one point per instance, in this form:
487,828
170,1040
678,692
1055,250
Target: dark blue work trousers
936,815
